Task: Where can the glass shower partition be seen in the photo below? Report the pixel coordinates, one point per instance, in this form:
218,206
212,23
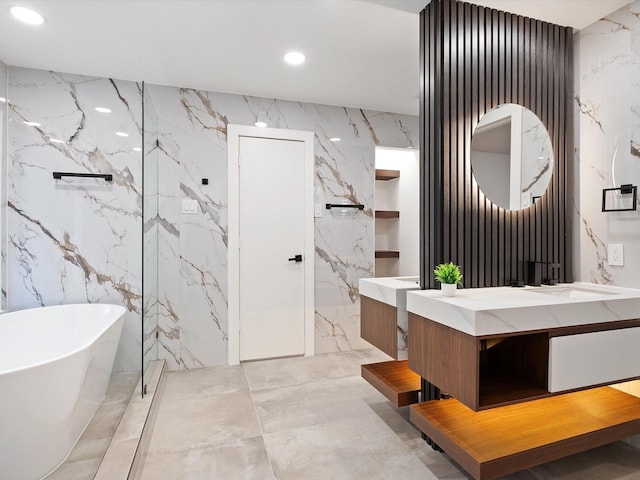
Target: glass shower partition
3,176
149,236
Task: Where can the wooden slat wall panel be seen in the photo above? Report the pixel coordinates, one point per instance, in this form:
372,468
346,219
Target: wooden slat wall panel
472,59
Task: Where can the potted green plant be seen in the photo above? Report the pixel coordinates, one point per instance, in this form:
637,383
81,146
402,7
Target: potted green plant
449,276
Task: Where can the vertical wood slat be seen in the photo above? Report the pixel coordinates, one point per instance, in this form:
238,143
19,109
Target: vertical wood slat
472,59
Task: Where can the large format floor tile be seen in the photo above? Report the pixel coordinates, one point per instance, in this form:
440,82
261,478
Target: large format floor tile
317,403
240,460
363,447
203,421
203,381
297,370
314,418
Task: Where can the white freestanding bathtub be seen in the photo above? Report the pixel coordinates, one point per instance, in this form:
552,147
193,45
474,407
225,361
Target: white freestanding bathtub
55,365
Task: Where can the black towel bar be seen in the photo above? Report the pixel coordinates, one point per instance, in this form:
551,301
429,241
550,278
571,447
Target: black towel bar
107,176
339,205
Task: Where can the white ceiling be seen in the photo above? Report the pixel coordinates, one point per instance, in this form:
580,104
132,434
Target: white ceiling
360,53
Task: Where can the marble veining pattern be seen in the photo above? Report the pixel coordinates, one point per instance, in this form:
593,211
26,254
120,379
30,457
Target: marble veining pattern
608,107
192,249
75,240
537,165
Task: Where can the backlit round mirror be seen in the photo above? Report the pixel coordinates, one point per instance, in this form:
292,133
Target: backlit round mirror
511,156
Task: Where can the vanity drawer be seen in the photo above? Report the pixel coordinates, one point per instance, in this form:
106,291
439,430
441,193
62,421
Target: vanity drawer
596,358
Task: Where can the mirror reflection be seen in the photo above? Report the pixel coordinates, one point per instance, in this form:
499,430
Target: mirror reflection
511,156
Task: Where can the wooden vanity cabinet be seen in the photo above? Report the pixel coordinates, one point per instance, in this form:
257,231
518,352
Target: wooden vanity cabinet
394,379
488,371
481,372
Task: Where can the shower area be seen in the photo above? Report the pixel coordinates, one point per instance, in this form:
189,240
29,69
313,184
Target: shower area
80,224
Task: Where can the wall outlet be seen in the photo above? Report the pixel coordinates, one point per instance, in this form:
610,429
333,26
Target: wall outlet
615,254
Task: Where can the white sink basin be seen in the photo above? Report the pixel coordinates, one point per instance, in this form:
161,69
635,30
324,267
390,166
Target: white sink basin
415,280
500,310
570,292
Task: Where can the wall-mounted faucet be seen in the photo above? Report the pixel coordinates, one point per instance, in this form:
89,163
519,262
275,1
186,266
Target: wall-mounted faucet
534,273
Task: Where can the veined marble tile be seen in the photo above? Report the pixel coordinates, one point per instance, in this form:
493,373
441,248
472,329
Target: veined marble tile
4,118
75,239
608,102
192,249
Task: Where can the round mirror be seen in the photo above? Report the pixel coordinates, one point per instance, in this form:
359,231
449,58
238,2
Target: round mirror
511,156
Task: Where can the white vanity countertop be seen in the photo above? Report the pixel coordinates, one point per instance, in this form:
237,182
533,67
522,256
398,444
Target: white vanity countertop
389,290
500,310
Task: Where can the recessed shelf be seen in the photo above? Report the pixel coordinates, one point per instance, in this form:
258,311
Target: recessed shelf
490,443
387,174
394,380
387,214
387,254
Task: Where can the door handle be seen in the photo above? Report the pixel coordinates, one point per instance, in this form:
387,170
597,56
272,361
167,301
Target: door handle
297,258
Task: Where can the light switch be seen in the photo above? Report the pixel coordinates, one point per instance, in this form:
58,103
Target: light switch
189,206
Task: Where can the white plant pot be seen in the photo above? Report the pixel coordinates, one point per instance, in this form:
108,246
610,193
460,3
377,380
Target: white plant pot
448,289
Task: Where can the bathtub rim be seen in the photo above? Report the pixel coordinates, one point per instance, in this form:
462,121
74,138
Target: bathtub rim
90,341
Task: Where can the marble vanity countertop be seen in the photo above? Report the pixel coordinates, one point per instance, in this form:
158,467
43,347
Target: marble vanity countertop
500,310
389,290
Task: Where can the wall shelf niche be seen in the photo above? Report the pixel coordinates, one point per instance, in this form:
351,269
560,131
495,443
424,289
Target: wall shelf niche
382,174
387,254
387,214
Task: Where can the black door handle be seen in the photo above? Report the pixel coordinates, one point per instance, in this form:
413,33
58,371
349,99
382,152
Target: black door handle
297,258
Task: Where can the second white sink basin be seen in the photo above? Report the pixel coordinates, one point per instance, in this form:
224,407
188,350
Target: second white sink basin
570,292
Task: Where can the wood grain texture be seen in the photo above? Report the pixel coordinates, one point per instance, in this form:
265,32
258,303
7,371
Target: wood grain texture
387,214
386,174
394,380
379,324
387,254
496,442
473,59
446,357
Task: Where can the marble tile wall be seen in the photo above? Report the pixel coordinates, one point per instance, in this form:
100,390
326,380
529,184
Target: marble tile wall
3,189
80,240
607,102
75,240
537,151
192,249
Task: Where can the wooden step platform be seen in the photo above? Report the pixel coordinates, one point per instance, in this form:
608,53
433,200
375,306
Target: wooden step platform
394,380
503,440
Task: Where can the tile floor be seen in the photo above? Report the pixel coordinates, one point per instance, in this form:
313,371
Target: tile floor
313,418
84,460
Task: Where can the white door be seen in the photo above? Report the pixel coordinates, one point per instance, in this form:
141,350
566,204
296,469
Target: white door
271,231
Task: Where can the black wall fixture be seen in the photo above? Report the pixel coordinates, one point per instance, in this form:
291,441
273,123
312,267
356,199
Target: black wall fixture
473,59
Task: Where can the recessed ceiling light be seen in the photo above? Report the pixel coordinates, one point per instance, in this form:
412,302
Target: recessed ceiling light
122,134
335,139
294,58
103,110
56,140
137,149
3,100
26,15
260,124
33,124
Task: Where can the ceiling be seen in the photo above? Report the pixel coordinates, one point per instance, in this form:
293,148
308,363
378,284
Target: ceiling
360,53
